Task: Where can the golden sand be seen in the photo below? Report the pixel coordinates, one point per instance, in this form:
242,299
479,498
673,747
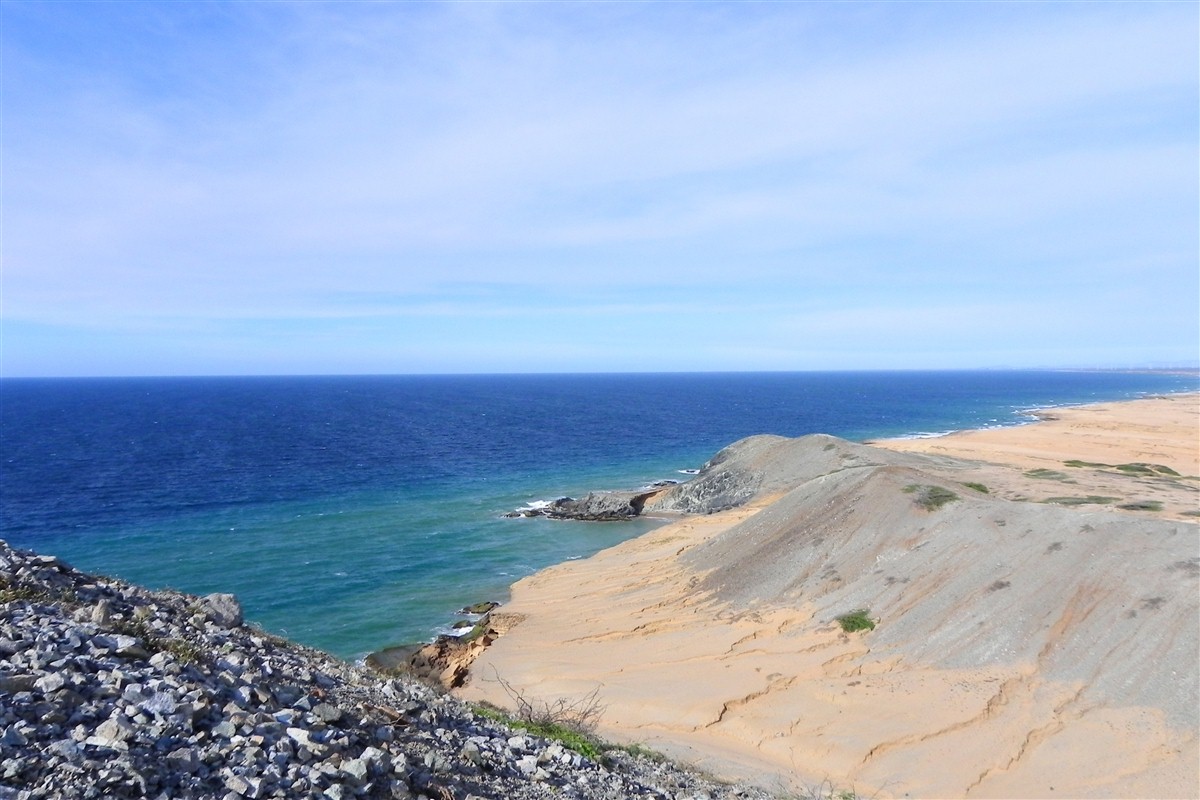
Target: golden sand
1009,632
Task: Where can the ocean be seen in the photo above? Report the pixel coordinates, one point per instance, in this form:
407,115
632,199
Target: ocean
354,513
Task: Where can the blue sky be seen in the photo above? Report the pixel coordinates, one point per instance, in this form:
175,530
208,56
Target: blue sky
275,188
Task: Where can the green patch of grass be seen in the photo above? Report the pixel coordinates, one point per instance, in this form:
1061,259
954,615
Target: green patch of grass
16,594
639,750
581,742
979,487
1132,468
184,651
1191,513
1141,468
1091,499
570,722
930,498
489,711
1142,505
857,620
1047,474
11,592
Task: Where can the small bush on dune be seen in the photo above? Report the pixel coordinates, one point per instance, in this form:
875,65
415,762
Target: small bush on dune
856,621
930,498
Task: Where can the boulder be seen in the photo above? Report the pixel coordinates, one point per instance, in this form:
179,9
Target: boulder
223,609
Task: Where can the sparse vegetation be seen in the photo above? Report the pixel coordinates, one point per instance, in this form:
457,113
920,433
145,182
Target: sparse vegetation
15,592
979,487
930,498
571,723
184,651
857,620
1048,474
823,791
639,750
1142,505
1075,462
1133,468
584,744
1091,499
1139,468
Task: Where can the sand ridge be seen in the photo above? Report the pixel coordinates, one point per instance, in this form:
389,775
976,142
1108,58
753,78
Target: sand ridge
1023,649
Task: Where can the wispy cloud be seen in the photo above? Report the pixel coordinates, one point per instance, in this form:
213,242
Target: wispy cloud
264,161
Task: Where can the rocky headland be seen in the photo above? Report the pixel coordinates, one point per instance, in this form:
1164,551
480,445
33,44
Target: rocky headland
108,690
900,623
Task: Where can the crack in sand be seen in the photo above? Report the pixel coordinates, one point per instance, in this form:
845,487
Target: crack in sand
851,656
779,684
645,629
1001,698
1032,739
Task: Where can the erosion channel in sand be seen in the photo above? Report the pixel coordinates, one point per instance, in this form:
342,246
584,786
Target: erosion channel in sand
1023,648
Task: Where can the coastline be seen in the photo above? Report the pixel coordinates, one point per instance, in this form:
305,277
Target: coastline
1110,452
971,665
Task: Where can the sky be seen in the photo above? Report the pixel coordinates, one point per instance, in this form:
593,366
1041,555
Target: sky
341,188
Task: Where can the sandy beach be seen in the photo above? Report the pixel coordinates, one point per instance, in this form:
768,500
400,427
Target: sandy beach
1024,648
1075,451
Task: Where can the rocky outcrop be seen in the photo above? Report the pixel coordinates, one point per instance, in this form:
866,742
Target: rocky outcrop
738,473
446,661
598,506
112,691
746,469
602,506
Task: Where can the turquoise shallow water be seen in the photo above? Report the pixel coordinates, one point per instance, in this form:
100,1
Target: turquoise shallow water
358,512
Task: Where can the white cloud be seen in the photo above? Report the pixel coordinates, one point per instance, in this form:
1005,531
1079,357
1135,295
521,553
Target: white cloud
313,150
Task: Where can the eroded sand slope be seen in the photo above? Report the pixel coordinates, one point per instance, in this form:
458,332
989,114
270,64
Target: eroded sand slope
1022,649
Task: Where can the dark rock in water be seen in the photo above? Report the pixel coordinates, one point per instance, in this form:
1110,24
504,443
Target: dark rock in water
479,608
391,659
602,506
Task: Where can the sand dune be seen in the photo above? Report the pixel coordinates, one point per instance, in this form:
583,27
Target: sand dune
1023,649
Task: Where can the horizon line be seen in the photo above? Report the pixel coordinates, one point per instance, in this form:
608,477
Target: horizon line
1180,369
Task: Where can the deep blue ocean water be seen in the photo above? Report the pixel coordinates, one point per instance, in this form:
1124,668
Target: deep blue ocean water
351,513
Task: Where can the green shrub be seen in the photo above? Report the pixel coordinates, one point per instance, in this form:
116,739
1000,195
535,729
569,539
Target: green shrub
1091,499
1074,462
979,487
1142,505
1047,474
930,498
857,620
1140,468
